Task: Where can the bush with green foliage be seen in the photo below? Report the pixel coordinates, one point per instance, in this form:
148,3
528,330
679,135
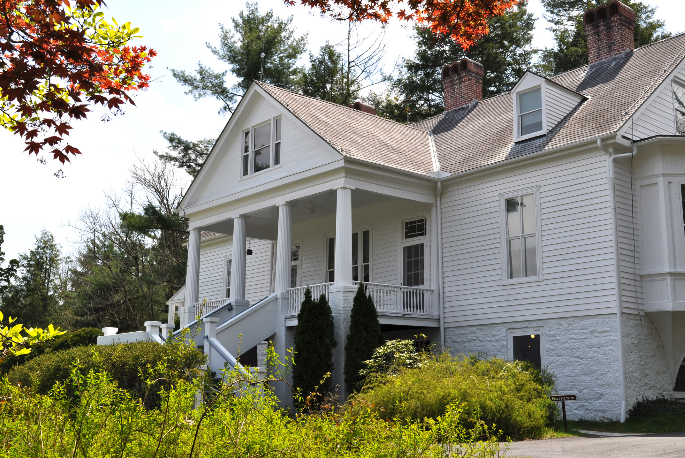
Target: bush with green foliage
508,394
364,337
656,406
103,420
391,357
314,344
82,337
128,365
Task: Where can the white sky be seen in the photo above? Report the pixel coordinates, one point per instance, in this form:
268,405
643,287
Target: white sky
32,199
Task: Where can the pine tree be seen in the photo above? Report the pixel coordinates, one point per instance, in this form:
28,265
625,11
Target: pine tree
364,337
314,344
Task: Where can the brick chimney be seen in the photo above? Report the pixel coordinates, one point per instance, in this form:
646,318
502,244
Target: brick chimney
609,30
363,107
462,82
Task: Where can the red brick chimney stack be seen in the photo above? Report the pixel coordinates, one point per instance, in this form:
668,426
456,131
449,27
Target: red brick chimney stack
609,30
462,82
363,107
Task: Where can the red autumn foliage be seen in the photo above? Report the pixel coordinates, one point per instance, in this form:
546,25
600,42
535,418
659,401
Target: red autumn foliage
57,58
465,21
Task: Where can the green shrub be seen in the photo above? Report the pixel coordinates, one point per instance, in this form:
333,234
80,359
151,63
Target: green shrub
504,393
82,337
364,337
128,365
391,357
656,406
314,343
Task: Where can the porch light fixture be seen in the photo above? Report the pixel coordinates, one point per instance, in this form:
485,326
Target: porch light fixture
249,250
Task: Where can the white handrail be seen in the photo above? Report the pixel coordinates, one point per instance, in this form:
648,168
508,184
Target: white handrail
388,299
204,307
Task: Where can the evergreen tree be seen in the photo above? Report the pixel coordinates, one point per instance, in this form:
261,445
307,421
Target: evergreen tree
326,79
7,274
364,337
505,53
314,344
570,48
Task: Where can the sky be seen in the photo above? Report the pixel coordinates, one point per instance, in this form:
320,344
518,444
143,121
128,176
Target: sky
33,199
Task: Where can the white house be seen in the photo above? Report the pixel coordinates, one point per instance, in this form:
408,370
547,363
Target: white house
544,224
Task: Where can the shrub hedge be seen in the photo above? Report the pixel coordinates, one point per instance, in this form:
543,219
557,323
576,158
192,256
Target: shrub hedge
510,395
85,336
129,365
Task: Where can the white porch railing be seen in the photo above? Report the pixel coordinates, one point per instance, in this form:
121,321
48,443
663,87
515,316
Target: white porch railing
204,307
296,295
388,299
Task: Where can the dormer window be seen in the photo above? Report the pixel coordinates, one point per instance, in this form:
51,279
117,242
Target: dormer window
261,147
530,111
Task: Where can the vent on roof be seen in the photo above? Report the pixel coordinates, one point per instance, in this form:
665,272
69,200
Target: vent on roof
462,82
363,107
610,30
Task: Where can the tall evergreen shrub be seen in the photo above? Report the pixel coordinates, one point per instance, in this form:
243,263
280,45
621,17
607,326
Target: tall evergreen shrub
364,337
314,344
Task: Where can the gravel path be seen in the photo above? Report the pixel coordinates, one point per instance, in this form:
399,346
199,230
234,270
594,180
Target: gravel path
642,446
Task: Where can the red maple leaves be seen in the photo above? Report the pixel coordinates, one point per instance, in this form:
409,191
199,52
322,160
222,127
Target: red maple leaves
55,61
465,21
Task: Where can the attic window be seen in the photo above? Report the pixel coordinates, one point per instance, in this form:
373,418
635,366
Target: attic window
679,105
261,147
530,111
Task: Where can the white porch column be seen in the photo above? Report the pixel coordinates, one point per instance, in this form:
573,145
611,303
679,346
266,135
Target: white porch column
283,247
343,237
239,259
192,277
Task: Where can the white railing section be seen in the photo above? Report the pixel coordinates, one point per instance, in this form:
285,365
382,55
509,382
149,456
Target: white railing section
296,295
388,299
204,307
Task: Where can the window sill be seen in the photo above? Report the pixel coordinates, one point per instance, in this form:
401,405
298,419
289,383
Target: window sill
261,172
539,133
516,281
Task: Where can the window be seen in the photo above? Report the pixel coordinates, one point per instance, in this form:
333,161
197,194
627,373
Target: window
521,241
361,252
413,265
530,112
228,278
295,266
416,228
679,105
527,345
261,148
330,260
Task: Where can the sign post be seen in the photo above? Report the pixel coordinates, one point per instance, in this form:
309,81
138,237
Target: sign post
563,399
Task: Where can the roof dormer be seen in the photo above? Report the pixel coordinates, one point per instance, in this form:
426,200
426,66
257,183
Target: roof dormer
539,105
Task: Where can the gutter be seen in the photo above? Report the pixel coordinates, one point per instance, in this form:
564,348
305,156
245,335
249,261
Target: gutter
617,268
441,303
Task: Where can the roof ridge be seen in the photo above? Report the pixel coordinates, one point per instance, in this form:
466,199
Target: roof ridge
262,84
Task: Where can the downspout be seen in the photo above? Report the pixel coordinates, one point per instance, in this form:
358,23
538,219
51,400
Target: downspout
441,304
617,267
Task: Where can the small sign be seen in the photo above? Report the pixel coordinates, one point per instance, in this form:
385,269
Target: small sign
564,397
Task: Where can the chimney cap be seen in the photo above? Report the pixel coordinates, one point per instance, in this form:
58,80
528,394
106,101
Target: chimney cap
603,12
461,66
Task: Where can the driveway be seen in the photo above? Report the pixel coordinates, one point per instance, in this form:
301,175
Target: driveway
642,446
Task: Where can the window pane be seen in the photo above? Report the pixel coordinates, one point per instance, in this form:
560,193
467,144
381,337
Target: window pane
295,253
355,249
262,159
366,273
416,228
228,278
246,143
514,252
246,164
531,262
366,247
293,276
531,122
277,153
527,348
513,217
413,265
530,101
528,204
331,253
262,136
277,121
355,273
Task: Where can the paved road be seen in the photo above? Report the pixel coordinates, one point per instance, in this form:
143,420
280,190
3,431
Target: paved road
647,446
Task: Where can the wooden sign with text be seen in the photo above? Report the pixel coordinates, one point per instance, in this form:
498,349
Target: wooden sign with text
565,397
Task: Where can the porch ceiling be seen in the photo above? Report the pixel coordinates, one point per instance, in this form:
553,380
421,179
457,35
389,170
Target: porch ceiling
263,223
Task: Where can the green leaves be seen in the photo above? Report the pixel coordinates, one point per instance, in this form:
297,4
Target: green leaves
17,340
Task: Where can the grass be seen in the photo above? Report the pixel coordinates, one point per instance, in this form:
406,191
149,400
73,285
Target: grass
662,423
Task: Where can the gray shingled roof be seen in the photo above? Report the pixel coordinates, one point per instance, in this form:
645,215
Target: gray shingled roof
481,134
470,137
360,135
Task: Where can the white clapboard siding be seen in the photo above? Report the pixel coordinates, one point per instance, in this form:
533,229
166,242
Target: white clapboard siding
213,255
384,220
577,250
628,238
657,115
558,103
301,150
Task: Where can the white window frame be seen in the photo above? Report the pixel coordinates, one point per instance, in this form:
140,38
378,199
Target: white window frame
425,239
526,332
517,113
227,284
503,235
360,251
272,148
